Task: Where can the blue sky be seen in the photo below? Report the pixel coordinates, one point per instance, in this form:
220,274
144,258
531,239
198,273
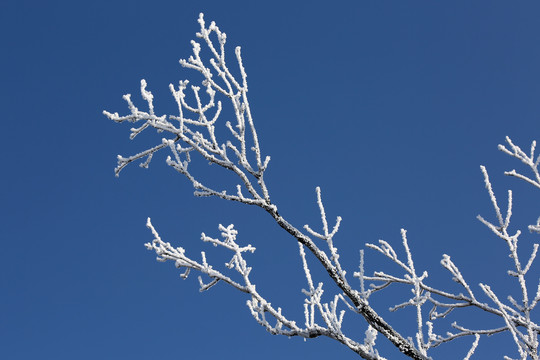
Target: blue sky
389,106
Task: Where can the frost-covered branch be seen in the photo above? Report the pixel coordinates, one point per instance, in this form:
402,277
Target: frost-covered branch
194,127
515,316
529,160
193,131
261,309
166,251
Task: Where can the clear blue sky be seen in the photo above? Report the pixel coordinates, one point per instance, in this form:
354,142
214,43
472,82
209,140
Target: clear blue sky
389,106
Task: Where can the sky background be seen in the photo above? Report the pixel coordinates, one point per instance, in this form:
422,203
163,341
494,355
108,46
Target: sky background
389,106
